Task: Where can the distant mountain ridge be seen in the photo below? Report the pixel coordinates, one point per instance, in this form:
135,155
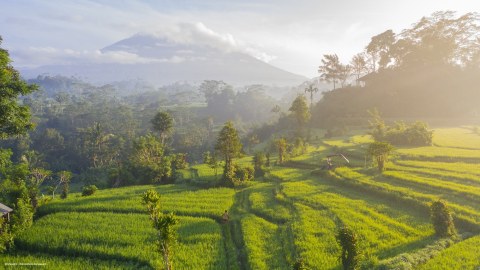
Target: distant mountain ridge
158,61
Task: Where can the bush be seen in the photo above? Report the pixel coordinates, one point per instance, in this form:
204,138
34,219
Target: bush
180,161
347,240
442,219
416,134
89,190
259,161
244,173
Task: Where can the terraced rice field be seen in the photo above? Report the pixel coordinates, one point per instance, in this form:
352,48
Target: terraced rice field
294,212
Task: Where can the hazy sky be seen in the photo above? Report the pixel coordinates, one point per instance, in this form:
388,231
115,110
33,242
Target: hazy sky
292,35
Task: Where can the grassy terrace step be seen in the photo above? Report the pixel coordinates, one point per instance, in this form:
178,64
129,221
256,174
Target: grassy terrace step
469,218
124,237
379,225
181,199
460,256
442,154
462,137
469,169
54,262
315,244
439,185
263,244
466,179
263,203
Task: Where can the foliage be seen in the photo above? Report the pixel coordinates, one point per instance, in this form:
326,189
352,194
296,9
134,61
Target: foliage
415,134
148,161
163,223
300,111
6,237
244,173
259,162
281,145
299,265
331,69
229,146
89,190
64,178
179,161
347,240
299,147
442,219
427,70
14,117
36,178
162,122
22,217
379,151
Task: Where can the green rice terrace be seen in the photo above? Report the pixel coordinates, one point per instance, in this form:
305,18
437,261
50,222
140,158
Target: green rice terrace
293,212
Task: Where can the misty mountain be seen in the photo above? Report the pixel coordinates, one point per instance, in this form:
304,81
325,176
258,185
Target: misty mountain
159,61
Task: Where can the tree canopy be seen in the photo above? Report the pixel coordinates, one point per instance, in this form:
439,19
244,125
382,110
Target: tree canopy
14,117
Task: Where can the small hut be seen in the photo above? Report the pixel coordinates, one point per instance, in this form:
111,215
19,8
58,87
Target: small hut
5,211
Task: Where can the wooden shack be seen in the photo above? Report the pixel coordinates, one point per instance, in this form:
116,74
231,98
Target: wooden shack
5,211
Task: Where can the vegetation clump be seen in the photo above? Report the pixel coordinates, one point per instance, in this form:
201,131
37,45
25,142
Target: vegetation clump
379,151
89,190
347,240
442,219
402,134
165,224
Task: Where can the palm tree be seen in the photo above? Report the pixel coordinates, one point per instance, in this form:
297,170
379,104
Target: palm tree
312,90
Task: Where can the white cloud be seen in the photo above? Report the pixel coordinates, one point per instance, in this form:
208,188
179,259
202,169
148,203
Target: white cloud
37,56
200,35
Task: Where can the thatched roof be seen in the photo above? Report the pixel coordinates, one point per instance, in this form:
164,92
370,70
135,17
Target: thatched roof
4,209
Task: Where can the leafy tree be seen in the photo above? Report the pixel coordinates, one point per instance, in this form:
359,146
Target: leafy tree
64,178
442,219
344,72
214,163
148,160
229,146
300,111
96,145
37,176
6,237
259,160
380,151
281,145
165,224
330,69
14,117
379,48
162,122
179,161
347,240
358,66
22,217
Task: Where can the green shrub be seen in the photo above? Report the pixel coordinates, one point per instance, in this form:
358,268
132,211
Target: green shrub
89,190
244,173
442,219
